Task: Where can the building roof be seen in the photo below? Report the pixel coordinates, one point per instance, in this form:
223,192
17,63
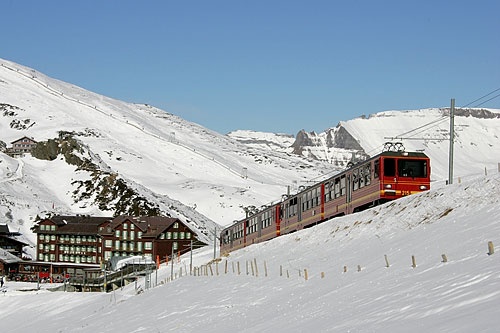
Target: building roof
4,229
149,225
8,258
78,224
24,137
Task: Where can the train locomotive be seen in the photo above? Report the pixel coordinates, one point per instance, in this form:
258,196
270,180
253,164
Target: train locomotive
387,176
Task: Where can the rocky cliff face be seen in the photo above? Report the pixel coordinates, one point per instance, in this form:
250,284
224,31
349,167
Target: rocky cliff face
475,113
336,145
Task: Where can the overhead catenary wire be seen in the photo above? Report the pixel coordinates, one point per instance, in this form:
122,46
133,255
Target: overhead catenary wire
480,98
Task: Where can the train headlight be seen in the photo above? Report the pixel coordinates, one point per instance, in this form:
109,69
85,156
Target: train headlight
388,186
423,187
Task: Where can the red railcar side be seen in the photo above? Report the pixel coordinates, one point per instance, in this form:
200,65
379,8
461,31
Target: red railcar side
387,176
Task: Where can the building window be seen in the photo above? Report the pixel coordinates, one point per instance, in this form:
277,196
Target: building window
175,246
139,246
169,235
117,245
132,233
176,225
125,225
124,234
139,234
117,233
132,226
42,227
148,245
108,243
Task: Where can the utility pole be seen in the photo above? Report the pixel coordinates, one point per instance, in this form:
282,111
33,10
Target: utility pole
215,242
191,259
452,138
172,265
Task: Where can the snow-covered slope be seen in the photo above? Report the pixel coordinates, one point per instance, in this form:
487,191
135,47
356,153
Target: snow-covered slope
477,139
459,295
185,169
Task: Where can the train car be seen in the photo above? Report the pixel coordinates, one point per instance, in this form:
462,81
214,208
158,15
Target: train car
384,177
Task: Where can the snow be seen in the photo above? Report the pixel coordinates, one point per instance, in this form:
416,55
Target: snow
210,177
168,160
460,295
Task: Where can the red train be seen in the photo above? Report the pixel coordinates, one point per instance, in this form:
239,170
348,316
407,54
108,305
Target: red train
384,177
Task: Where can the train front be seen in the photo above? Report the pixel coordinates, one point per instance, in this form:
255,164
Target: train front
403,173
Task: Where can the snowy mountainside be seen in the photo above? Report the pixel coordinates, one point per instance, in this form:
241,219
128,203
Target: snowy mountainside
477,139
349,287
180,167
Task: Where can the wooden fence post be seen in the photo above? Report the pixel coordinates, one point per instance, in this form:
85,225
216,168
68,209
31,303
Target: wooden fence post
305,274
359,268
256,269
413,262
491,248
445,259
345,269
239,271
225,267
265,268
386,261
322,275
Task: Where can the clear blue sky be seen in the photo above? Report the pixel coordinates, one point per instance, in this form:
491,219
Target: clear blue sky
277,66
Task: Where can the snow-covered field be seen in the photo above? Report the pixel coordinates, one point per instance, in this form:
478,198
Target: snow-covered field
460,295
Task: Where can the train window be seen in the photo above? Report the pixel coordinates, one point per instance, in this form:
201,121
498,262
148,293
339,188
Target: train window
355,179
389,167
412,168
337,187
342,185
376,169
368,174
361,176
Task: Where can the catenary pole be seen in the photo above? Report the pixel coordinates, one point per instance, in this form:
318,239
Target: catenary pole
452,138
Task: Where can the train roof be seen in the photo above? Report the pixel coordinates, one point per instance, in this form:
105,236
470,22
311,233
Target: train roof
402,153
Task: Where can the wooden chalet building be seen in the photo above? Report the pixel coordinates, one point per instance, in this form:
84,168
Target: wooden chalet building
11,250
22,145
93,240
10,242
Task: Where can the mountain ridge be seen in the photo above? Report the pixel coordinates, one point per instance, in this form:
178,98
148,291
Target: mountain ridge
183,168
